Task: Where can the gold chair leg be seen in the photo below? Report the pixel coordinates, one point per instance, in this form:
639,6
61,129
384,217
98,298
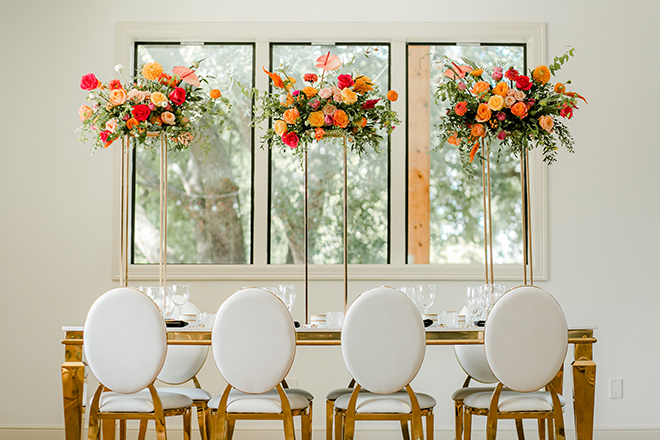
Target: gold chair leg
491,427
339,426
458,419
329,415
202,414
541,429
305,425
310,418
122,429
559,426
467,431
187,422
142,434
231,424
404,430
349,427
551,430
109,427
161,433
520,430
429,426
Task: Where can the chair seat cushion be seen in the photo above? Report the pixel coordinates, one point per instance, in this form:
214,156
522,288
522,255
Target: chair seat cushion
141,402
337,393
514,401
396,403
193,393
462,393
306,394
268,402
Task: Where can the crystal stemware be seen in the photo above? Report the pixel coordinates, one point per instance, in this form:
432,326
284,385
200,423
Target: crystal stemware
180,296
426,296
287,294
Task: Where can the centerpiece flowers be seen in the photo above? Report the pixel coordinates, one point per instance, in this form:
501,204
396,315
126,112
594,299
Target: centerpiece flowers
329,106
520,111
155,102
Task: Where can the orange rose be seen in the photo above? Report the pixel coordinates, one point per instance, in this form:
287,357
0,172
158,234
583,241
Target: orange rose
392,95
480,87
280,127
319,133
132,123
310,92
152,71
117,96
348,96
291,115
158,98
478,130
496,102
215,94
541,74
167,118
316,119
483,113
519,109
546,123
85,112
363,84
340,119
501,88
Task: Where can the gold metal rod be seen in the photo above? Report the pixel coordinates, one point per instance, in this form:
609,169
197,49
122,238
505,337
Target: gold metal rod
345,227
126,209
490,220
529,219
122,249
163,143
523,199
483,184
305,238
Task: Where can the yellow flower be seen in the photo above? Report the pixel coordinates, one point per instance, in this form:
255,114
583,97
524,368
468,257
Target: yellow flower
152,71
476,72
158,98
496,102
348,96
362,84
280,127
541,74
316,119
310,92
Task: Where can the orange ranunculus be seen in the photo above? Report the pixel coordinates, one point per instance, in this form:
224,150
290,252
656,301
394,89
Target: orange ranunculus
541,74
280,127
310,92
340,119
316,119
560,88
291,115
348,96
453,139
480,87
117,96
501,88
363,122
277,81
519,109
319,133
132,123
483,113
363,84
478,130
167,118
546,123
85,112
474,150
476,72
392,95
158,98
460,108
496,102
289,101
215,94
152,71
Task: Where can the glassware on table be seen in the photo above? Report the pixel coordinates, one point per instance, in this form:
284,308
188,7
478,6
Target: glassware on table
334,319
165,302
206,320
448,319
472,303
180,296
411,292
287,294
151,292
426,296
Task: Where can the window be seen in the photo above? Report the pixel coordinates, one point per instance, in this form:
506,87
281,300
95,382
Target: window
240,215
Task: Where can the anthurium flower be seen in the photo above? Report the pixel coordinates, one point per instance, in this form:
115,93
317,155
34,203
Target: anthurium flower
459,71
187,75
328,62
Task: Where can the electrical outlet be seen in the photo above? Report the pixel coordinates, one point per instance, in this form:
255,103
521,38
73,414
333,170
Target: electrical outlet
292,382
616,388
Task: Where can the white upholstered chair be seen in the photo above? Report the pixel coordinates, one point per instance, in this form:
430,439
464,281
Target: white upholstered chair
383,342
125,343
254,345
525,341
182,365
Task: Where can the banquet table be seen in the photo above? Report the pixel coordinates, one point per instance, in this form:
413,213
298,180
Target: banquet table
581,337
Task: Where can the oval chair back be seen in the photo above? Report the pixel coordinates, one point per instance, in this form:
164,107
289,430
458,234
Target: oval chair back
472,359
125,340
526,338
383,340
183,362
253,340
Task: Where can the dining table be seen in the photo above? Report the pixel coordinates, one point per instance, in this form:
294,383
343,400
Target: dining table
580,337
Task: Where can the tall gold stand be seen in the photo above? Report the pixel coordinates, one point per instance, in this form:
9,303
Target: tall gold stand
162,260
528,272
488,223
123,212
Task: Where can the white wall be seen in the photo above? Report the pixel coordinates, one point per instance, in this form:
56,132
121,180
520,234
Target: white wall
57,201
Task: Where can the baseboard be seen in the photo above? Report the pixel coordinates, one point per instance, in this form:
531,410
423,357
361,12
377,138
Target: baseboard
12,432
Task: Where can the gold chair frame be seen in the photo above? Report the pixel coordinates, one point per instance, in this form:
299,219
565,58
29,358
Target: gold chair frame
202,409
158,415
222,422
493,414
345,419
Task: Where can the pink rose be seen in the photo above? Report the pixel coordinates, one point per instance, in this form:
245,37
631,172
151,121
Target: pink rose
501,116
178,96
329,109
519,95
111,125
152,106
104,135
135,95
497,75
141,112
325,93
501,135
344,81
314,104
498,69
89,82
290,139
461,86
509,101
328,120
523,82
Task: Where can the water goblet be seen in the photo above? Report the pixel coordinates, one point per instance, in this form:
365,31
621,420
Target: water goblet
411,292
472,303
426,296
287,294
165,302
180,296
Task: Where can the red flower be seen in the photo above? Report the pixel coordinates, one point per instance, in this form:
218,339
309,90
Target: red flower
115,84
310,77
104,135
141,112
566,111
178,96
344,81
89,82
523,82
511,74
461,108
370,103
290,139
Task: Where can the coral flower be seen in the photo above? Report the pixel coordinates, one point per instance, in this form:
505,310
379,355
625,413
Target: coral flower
287,100
280,127
329,109
310,77
496,102
363,122
310,92
477,130
392,95
474,150
461,108
560,88
316,119
546,123
291,115
348,96
319,133
328,62
85,112
511,74
541,74
215,94
480,87
117,97
152,71
340,119
483,112
519,109
158,98
454,140
132,123
363,84
477,72
167,118
277,81
501,89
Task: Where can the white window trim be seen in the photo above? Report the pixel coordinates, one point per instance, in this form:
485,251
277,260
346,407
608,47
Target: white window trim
398,35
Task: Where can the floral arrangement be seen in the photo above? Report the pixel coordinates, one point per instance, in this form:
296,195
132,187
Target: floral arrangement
325,108
520,111
155,102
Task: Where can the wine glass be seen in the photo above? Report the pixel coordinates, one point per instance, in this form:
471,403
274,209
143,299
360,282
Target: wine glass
287,294
411,292
180,296
426,296
472,302
165,302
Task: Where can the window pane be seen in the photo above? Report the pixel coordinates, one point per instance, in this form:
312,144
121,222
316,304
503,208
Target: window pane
367,178
445,206
209,196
